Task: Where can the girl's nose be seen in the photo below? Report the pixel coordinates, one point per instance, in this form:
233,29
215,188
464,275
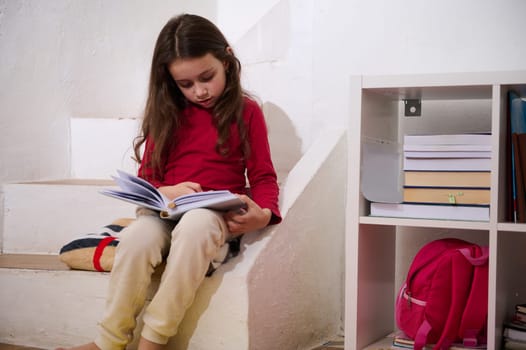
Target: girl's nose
200,91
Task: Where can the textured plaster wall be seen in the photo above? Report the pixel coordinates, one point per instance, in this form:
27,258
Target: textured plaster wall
277,55
72,58
300,54
410,36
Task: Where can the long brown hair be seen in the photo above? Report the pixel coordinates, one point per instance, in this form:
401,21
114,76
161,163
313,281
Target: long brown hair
188,36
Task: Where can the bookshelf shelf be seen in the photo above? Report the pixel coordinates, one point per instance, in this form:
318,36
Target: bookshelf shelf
383,343
466,225
511,227
380,249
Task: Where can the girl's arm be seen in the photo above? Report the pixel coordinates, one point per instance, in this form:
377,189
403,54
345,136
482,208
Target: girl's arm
261,174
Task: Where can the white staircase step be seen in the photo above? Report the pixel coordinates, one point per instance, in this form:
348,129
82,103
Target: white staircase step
99,146
48,308
239,307
41,307
40,217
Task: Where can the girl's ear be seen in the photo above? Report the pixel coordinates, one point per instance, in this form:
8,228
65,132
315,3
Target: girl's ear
229,51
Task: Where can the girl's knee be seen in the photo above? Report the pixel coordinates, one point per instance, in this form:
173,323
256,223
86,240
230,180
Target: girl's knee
143,234
202,224
201,217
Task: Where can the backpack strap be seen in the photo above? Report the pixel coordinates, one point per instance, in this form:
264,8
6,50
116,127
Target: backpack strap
475,313
461,273
421,335
482,259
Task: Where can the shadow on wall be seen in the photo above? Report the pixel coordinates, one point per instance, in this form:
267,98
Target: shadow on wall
285,145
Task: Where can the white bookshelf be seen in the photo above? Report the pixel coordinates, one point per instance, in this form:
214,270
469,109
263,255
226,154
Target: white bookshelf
378,249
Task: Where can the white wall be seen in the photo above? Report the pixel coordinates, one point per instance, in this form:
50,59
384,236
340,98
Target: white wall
276,53
90,58
236,17
300,55
410,36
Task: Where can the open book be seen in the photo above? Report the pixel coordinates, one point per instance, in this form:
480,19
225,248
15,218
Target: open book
136,190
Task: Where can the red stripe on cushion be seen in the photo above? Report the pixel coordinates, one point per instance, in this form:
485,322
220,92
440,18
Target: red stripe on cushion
99,250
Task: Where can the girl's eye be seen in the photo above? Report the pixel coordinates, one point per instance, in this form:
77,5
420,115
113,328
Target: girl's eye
185,85
206,78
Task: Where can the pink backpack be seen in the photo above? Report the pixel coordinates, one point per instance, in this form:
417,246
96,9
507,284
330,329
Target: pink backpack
445,297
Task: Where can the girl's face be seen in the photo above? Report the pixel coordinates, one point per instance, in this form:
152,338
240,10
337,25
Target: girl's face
201,80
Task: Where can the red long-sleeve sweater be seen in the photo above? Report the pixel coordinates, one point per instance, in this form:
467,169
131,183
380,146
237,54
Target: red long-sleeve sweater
194,158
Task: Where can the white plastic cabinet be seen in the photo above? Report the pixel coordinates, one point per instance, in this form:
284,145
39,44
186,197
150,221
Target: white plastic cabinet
378,249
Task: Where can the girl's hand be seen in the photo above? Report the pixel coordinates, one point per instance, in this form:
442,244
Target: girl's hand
252,218
187,187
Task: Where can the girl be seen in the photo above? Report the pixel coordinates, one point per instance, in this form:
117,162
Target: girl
200,132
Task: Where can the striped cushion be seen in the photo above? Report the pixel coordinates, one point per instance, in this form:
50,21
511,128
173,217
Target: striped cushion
96,251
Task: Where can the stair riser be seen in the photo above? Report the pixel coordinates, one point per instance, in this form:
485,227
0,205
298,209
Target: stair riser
54,308
49,309
99,146
57,214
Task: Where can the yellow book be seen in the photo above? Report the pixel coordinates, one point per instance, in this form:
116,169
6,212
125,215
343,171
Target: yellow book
447,195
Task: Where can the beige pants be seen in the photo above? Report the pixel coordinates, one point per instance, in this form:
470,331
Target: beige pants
188,248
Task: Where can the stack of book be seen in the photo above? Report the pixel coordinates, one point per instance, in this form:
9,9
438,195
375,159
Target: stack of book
445,177
514,336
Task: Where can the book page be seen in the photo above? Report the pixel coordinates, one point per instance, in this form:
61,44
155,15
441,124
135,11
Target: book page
142,189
